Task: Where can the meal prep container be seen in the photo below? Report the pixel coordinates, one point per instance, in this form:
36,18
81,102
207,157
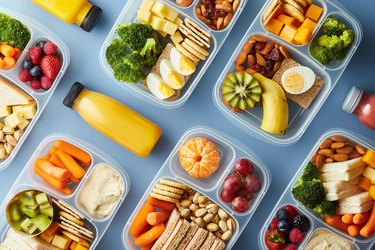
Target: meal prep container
315,219
27,179
129,14
230,151
38,32
299,118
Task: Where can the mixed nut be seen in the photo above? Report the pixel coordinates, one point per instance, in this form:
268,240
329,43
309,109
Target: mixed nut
9,138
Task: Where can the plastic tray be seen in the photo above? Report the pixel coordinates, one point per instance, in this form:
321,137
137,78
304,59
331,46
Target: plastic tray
299,118
129,14
317,222
230,150
28,180
38,32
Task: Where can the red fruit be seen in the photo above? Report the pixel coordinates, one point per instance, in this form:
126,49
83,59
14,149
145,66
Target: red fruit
227,196
50,48
243,166
50,66
244,192
296,235
275,239
292,212
290,246
273,223
252,183
240,204
35,55
46,82
35,84
232,182
25,76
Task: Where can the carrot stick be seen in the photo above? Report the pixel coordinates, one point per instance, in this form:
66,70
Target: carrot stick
48,168
71,164
52,150
353,230
361,218
336,222
49,179
169,206
140,221
347,218
155,218
369,229
58,163
150,236
46,157
148,247
66,190
74,151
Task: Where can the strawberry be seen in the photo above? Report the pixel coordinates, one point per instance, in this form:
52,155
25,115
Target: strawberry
290,246
292,212
35,84
25,76
35,55
50,66
273,223
275,239
296,235
50,48
46,82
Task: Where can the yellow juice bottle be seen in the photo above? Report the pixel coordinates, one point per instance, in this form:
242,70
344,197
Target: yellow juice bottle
113,119
80,12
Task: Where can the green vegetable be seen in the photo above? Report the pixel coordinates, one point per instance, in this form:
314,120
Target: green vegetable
13,32
336,48
151,52
135,35
310,173
134,60
348,37
125,73
327,208
332,26
322,54
116,52
309,193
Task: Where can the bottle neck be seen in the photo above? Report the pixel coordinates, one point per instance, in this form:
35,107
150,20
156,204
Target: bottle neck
85,9
361,104
79,98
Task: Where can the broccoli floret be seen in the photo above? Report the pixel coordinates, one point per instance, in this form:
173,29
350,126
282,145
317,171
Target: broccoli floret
348,37
123,72
332,26
13,32
135,35
327,208
310,193
334,44
116,52
310,173
150,52
134,60
322,54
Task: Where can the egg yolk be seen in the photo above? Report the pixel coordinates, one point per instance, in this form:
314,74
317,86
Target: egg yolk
165,90
294,82
174,78
186,65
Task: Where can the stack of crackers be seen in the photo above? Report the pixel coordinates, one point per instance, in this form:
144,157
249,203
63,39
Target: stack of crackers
169,191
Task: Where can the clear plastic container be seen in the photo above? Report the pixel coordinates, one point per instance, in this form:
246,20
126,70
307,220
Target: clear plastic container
129,14
27,179
299,118
230,150
287,198
38,32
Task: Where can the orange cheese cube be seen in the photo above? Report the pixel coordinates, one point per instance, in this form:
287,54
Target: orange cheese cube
288,33
288,20
364,183
369,158
274,26
314,12
303,36
310,24
371,192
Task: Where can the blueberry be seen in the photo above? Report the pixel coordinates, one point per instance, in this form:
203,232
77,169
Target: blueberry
27,64
41,44
35,71
283,226
282,214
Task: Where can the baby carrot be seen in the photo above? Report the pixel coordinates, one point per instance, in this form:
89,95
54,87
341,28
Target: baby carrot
336,222
49,179
155,218
58,163
140,220
74,151
361,218
347,218
66,190
169,206
52,150
369,229
17,53
48,168
150,236
353,230
71,164
46,157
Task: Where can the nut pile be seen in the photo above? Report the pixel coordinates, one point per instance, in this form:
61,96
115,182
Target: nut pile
207,214
217,14
9,138
336,149
259,55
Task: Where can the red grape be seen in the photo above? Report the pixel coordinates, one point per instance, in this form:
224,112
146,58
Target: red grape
243,166
227,196
240,204
232,182
252,183
244,192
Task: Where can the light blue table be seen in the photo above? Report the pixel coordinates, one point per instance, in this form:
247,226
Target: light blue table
199,110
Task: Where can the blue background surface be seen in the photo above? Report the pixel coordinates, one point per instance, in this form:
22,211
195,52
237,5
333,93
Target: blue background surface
199,110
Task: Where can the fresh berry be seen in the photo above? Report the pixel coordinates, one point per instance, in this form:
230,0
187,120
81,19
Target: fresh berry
290,246
35,71
46,82
296,235
50,48
243,167
292,212
35,55
301,222
25,76
240,204
273,223
274,239
27,65
282,214
50,66
283,226
35,84
41,44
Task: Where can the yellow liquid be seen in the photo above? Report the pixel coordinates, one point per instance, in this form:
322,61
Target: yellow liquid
70,11
120,123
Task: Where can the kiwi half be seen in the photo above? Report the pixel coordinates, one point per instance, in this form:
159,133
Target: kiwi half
241,91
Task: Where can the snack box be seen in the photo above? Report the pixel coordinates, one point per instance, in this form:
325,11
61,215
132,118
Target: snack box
29,180
300,115
129,14
230,150
316,220
41,97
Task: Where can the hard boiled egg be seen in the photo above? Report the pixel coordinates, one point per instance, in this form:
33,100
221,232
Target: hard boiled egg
298,80
181,63
158,87
170,76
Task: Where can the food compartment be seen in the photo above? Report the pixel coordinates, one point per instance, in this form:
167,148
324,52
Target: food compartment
183,4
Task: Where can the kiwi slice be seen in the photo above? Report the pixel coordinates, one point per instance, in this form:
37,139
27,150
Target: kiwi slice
241,91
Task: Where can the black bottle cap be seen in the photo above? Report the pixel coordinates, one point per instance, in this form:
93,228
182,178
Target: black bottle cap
72,95
91,18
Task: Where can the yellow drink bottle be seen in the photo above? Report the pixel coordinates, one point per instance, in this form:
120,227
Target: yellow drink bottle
81,12
113,119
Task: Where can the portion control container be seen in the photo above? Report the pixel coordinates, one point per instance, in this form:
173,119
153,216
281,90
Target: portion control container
299,118
315,219
27,179
230,150
129,14
38,32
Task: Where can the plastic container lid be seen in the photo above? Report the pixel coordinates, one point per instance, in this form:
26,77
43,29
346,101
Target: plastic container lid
352,99
91,18
73,93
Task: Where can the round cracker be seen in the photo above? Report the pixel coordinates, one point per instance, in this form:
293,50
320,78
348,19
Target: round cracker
199,29
169,189
71,218
166,193
272,14
180,48
174,184
270,9
302,3
193,51
163,198
294,4
197,47
293,12
187,34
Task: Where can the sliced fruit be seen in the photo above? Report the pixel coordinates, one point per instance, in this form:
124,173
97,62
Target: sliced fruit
29,212
28,226
41,221
47,211
17,224
41,198
28,198
44,205
15,213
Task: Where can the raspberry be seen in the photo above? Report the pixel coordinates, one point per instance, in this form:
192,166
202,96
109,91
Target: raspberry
290,246
292,212
25,76
50,48
35,84
273,223
296,235
35,55
46,82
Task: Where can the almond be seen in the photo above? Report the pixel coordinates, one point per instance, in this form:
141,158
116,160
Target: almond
269,46
326,152
250,71
360,149
345,150
258,38
337,145
240,68
227,19
241,58
260,59
354,154
276,66
320,160
313,159
338,138
340,157
284,52
247,47
326,144
220,23
235,5
251,60
329,160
